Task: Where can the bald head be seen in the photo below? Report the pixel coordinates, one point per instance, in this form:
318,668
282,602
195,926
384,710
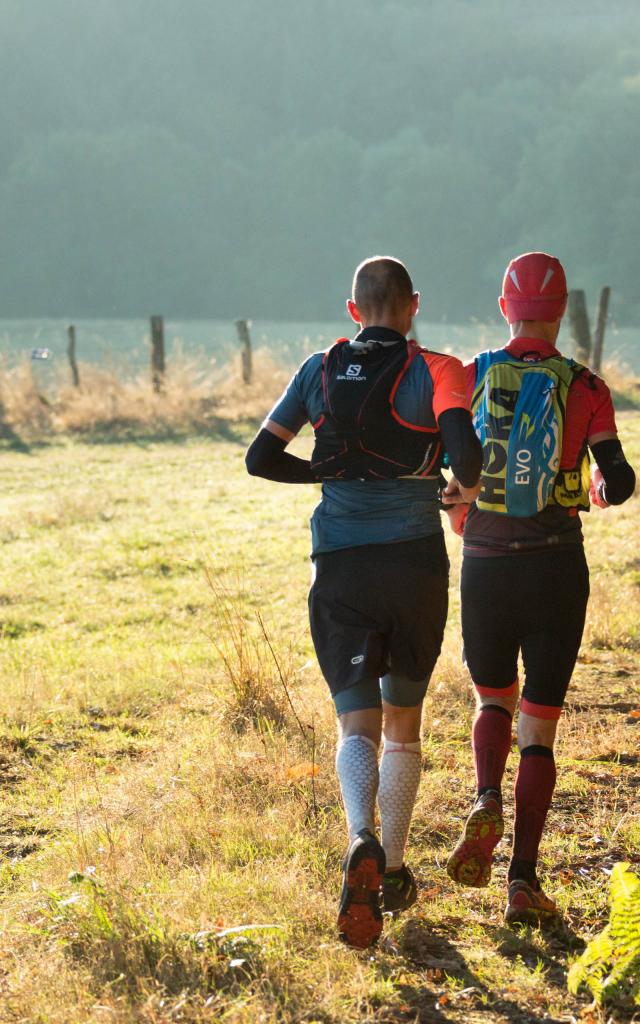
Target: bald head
382,289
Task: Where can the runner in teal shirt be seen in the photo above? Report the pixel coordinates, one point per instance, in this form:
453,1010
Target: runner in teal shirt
378,603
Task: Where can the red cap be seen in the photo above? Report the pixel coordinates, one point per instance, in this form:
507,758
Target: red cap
534,288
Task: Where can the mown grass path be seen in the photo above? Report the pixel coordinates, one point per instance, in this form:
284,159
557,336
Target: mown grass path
156,783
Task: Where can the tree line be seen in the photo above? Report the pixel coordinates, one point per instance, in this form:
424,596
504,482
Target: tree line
210,159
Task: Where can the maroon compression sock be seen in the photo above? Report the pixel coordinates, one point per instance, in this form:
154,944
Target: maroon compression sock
535,783
491,741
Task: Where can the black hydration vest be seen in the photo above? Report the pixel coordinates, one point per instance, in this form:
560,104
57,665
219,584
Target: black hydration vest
359,435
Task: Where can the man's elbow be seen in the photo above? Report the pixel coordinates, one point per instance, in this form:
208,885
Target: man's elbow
618,476
619,487
468,465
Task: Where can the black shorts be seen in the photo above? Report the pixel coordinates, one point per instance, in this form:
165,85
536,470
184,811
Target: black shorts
379,608
534,604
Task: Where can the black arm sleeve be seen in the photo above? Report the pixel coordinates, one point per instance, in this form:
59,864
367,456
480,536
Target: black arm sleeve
619,478
267,457
462,445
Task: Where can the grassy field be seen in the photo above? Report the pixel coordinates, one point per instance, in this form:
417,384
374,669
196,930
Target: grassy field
166,752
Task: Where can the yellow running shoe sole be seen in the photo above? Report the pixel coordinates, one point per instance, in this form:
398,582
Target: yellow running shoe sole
470,862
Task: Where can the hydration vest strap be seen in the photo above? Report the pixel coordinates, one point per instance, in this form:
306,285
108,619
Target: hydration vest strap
325,389
413,350
413,426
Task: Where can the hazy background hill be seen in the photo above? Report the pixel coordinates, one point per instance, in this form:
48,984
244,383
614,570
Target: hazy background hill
214,159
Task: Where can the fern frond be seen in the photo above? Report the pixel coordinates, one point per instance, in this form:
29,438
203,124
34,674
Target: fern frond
623,882
610,965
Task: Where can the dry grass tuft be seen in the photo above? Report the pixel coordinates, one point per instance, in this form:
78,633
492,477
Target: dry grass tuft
195,397
256,692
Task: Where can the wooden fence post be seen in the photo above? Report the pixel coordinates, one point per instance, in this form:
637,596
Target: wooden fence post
598,341
157,353
242,327
71,353
579,324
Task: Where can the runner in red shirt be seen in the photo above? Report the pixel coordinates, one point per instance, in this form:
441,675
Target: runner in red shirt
525,581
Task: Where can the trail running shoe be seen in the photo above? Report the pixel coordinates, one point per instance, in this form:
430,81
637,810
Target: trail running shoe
399,890
526,905
470,862
360,916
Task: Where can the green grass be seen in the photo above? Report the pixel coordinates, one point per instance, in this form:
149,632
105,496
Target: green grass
156,781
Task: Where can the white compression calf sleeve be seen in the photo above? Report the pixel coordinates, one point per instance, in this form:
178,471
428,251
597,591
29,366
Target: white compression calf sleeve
399,780
357,769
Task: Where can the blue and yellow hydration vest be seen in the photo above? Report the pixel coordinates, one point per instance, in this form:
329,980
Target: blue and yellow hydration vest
518,409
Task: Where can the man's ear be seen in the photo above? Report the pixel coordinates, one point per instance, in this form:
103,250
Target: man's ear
415,304
353,311
503,307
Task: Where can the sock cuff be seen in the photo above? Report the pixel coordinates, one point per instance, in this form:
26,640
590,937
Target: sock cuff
495,707
393,747
537,750
491,789
362,739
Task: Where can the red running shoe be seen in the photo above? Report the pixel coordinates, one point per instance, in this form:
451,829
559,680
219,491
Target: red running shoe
470,862
359,915
526,905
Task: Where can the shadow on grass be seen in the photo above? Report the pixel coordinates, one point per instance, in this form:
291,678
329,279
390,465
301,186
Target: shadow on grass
11,441
235,432
434,953
18,841
218,430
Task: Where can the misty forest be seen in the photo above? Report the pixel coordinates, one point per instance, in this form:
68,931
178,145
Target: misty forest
222,159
